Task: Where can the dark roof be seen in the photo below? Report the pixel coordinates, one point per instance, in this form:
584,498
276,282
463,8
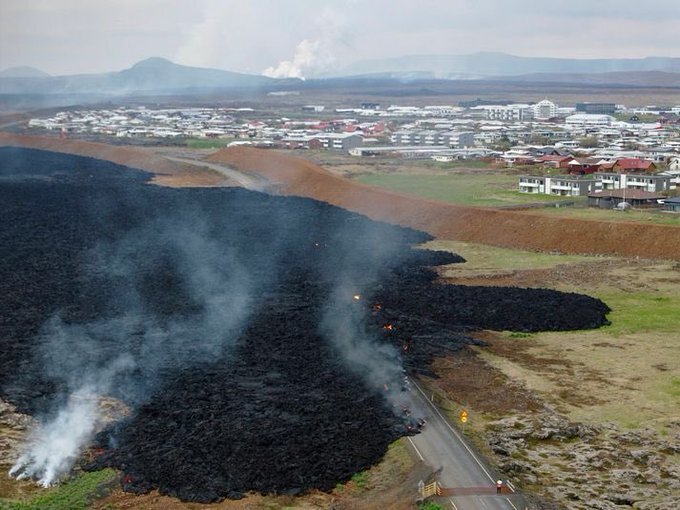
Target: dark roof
551,157
674,200
632,194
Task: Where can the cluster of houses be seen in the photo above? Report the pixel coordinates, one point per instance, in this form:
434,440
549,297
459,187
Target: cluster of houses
412,131
142,122
602,150
607,183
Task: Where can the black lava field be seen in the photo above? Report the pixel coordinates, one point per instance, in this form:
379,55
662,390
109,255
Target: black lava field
211,313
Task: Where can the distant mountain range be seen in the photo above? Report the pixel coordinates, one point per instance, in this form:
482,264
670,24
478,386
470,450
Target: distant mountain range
160,76
23,72
630,78
484,65
155,75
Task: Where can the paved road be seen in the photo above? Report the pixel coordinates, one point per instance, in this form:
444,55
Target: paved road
248,181
441,446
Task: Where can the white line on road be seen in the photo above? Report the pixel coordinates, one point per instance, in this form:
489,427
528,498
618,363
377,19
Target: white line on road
455,434
415,448
453,504
512,487
513,506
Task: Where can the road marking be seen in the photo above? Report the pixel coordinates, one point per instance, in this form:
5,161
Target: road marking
453,504
513,506
509,484
415,448
455,434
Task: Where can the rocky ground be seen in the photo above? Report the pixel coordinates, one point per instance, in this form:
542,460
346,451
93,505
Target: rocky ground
587,466
584,421
14,426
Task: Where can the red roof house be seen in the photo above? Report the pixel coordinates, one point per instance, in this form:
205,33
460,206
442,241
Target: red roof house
632,165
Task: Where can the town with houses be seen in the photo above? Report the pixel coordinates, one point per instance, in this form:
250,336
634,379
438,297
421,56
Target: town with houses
615,155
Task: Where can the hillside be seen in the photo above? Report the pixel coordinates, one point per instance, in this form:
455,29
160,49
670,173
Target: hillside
532,231
23,72
153,75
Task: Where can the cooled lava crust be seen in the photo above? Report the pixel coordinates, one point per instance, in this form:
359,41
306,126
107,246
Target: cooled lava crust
272,406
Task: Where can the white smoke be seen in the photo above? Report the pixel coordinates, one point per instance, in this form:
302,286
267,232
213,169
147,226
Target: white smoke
125,354
316,55
310,56
345,315
55,445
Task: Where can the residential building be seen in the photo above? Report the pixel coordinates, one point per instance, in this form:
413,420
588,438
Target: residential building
629,165
561,185
569,186
555,161
584,166
483,102
651,183
459,139
672,204
596,108
340,141
609,181
510,112
609,199
532,184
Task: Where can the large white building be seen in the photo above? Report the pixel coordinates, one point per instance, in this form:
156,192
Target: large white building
589,119
544,110
509,112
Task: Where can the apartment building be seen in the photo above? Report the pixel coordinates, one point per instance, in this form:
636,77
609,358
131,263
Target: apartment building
562,185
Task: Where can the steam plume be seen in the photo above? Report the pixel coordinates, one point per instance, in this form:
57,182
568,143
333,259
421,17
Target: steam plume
344,321
310,56
344,325
314,56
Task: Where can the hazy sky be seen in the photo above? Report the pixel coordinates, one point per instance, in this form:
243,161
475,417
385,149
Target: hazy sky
313,36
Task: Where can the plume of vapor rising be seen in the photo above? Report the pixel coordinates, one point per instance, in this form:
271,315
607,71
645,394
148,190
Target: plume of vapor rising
316,55
310,55
344,320
125,353
344,325
56,444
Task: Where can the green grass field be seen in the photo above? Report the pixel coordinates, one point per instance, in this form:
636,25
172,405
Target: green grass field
495,190
76,494
638,354
638,215
464,189
208,143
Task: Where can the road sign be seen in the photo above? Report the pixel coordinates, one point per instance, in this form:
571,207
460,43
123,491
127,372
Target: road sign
463,416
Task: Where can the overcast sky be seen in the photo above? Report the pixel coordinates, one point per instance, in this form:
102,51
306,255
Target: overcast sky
285,37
